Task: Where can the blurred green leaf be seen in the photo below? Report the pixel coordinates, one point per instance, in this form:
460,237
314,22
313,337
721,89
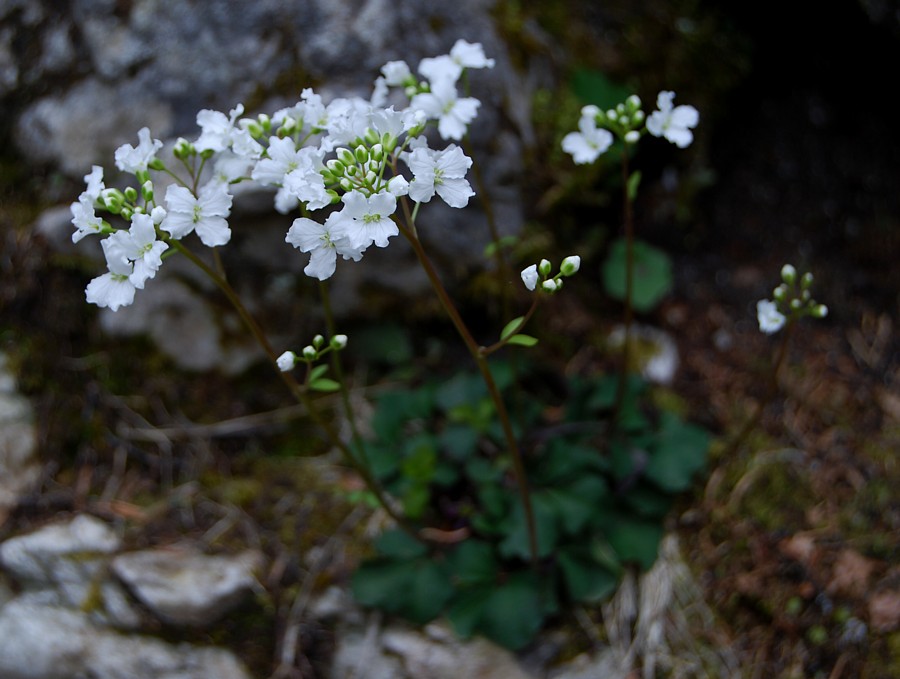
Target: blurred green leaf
513,612
680,452
510,327
324,384
593,87
652,278
523,340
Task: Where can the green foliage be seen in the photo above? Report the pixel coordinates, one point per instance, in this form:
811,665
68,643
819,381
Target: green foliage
652,274
598,499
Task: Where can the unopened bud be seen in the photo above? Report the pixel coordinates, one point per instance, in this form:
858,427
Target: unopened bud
371,136
338,342
807,280
361,153
336,167
545,267
820,311
286,361
632,137
570,265
346,184
131,194
377,152
788,274
551,285
318,341
147,191
309,353
633,102
345,156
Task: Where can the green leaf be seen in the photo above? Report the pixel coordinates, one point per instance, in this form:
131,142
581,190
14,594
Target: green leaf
592,87
523,340
633,182
398,544
510,327
460,441
586,580
430,590
513,612
635,539
324,384
317,372
473,563
518,542
467,609
383,583
680,452
652,278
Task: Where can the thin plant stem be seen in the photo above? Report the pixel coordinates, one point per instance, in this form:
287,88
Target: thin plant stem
300,394
479,355
338,368
770,394
629,288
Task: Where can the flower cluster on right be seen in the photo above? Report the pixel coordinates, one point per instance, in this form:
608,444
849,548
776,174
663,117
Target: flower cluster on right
791,301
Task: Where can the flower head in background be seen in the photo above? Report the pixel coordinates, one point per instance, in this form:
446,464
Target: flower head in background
674,123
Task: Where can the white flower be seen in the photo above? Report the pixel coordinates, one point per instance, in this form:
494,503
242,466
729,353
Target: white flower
770,319
396,73
84,219
587,145
368,219
442,172
530,276
444,105
94,182
113,289
131,159
205,213
230,167
138,246
325,242
286,361
306,182
217,130
283,157
470,55
440,68
673,123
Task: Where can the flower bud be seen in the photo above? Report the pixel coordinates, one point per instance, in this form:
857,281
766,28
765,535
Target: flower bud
545,267
286,361
632,137
183,148
633,102
158,214
819,311
131,194
551,285
112,199
336,167
371,136
389,141
126,213
788,274
338,342
589,111
362,154
530,276
351,170
318,341
637,117
807,280
309,353
570,265
780,293
371,177
796,304
611,115
335,198
156,164
265,122
345,156
346,184
147,191
377,152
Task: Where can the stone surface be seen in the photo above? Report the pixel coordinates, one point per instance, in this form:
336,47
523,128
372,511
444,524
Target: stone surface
185,587
44,642
19,469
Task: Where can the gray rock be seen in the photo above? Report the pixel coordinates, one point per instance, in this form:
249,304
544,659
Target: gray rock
19,469
188,588
65,564
42,642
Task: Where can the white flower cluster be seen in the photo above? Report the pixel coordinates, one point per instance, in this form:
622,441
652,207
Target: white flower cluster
348,152
540,273
597,129
791,301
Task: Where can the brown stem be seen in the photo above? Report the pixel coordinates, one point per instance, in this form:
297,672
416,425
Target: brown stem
478,353
629,289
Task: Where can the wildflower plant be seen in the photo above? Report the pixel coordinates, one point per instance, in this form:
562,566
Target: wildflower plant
501,518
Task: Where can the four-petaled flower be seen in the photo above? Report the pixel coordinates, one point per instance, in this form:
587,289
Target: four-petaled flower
444,105
131,159
84,219
586,145
673,122
205,213
367,220
442,172
113,289
138,246
325,242
771,320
